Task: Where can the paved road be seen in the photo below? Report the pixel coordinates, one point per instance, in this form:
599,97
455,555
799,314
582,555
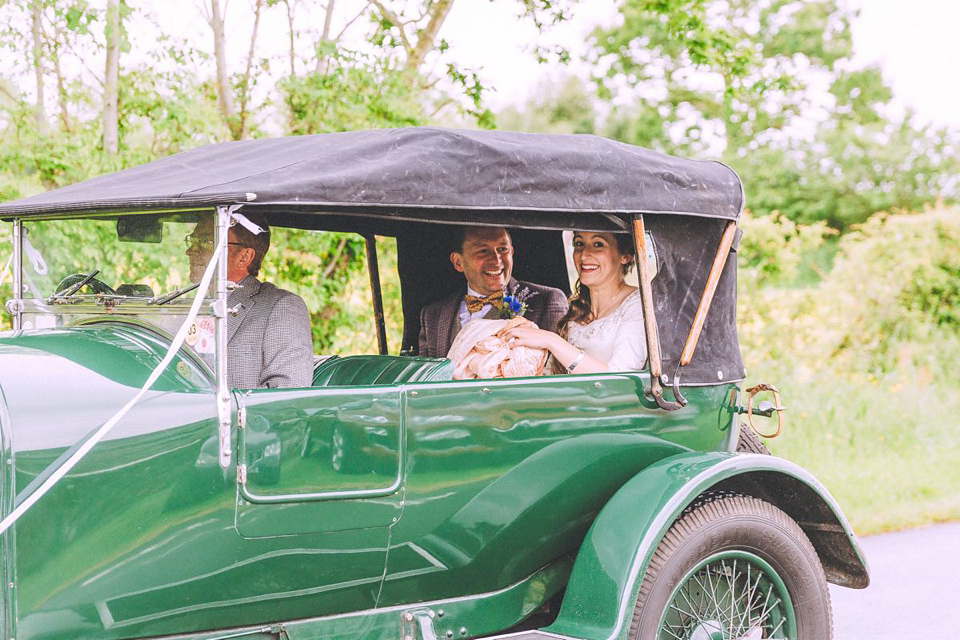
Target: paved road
914,591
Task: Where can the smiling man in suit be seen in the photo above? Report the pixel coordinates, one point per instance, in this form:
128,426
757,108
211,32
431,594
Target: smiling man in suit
269,342
484,255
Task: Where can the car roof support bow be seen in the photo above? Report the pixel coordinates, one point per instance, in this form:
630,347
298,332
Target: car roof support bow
649,316
709,289
373,269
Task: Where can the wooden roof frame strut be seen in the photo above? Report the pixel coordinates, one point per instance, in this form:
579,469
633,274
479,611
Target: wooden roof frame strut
657,377
709,290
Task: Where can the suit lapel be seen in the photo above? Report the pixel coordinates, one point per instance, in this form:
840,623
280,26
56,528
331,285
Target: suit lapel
243,298
449,324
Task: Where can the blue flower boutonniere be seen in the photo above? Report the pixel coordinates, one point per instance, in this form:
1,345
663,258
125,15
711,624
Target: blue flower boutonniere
515,304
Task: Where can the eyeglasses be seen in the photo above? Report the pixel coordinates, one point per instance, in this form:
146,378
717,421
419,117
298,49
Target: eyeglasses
196,242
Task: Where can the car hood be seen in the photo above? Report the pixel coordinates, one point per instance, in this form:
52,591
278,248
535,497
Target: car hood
59,384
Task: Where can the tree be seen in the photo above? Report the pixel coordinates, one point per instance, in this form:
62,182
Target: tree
36,31
859,162
562,105
384,66
740,79
737,72
224,90
111,78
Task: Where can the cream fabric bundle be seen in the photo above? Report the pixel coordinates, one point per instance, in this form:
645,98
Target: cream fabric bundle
479,351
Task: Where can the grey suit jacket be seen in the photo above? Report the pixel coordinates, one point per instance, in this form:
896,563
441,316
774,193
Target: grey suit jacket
269,343
440,321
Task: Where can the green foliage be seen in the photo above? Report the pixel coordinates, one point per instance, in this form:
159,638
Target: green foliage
162,114
564,106
53,161
933,293
730,66
355,92
865,360
469,83
774,247
357,333
936,294
874,296
693,76
850,172
318,266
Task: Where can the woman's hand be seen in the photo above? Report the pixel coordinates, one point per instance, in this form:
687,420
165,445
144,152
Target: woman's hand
528,335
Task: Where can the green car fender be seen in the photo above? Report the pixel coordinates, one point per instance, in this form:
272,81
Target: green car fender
603,586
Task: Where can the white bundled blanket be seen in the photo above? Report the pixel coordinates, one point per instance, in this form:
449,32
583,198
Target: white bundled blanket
479,351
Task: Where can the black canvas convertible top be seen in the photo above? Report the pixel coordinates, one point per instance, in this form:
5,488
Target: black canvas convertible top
413,183
424,173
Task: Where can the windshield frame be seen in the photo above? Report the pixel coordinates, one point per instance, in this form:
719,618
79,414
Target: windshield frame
15,305
87,309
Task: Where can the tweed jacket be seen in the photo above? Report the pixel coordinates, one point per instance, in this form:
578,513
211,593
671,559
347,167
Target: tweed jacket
269,343
440,321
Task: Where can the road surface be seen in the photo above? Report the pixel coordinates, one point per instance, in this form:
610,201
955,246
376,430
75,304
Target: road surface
914,591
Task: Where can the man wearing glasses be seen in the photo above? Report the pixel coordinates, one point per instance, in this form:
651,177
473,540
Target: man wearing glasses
269,341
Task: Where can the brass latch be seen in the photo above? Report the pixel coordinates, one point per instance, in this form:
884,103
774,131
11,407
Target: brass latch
765,409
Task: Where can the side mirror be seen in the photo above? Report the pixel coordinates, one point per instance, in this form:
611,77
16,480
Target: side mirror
140,229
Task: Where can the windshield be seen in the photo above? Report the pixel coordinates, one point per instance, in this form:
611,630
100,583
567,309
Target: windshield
135,256
132,265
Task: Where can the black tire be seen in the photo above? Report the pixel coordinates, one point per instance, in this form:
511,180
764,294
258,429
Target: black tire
750,442
733,562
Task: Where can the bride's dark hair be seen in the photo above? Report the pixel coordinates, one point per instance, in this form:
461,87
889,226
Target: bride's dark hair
579,310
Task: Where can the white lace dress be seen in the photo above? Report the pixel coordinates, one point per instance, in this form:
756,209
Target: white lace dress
617,339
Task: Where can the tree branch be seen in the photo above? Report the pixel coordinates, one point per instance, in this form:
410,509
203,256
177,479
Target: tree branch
352,20
425,42
327,19
397,22
321,66
440,106
245,81
335,258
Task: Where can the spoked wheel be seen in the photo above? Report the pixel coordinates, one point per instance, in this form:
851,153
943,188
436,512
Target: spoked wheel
733,568
730,595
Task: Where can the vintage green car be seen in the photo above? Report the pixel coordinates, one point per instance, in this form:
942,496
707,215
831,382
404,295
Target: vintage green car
142,497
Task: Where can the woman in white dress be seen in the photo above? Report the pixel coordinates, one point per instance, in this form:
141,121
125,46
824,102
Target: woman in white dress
603,330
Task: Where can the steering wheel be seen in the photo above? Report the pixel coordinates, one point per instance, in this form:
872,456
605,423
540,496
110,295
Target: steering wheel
98,286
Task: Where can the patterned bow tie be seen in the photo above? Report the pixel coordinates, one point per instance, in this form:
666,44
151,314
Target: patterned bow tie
475,303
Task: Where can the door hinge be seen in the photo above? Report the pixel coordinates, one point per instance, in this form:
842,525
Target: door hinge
241,417
418,624
242,474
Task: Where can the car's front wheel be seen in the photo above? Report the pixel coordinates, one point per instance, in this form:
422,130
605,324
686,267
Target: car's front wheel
733,567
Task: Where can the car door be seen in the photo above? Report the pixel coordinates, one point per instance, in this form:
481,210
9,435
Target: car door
322,466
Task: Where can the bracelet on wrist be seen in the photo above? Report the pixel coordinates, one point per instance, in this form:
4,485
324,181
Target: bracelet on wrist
576,361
